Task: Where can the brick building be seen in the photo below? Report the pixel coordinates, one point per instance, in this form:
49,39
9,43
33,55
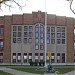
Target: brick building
22,38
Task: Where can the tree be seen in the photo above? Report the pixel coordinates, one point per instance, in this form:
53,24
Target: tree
71,5
12,1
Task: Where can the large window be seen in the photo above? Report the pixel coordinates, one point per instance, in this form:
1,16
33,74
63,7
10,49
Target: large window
1,43
1,29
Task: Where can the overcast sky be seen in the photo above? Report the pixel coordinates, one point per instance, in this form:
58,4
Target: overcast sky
58,7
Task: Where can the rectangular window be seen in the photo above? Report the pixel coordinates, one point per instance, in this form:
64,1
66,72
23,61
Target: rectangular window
48,35
58,41
30,40
63,41
30,28
14,28
52,41
58,58
48,41
14,40
30,57
36,47
19,40
41,35
41,47
25,40
25,28
63,29
14,34
48,29
63,35
19,28
52,35
41,57
1,29
25,58
58,29
41,40
36,40
19,57
14,57
30,34
52,57
1,57
63,57
1,43
19,34
58,35
36,35
36,57
25,34
52,29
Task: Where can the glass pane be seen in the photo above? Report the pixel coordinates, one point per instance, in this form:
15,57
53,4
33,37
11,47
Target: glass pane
48,41
63,29
25,34
58,41
19,34
41,28
14,28
30,28
63,35
14,40
52,29
52,41
36,40
37,28
41,40
36,47
52,35
41,34
19,28
58,35
25,28
63,41
48,35
30,34
14,34
19,40
58,29
36,34
41,47
30,40
25,40
48,29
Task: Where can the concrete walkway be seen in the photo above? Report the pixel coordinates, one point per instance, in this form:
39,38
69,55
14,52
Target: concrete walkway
15,72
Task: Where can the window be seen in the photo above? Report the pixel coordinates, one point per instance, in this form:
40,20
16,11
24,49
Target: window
36,57
41,47
19,28
14,34
41,28
63,29
30,57
19,40
41,57
30,34
41,34
37,28
14,40
58,35
41,40
52,35
25,40
14,28
1,57
52,29
63,57
48,29
58,29
30,40
25,28
58,58
25,58
58,41
36,40
19,57
36,47
1,29
36,34
48,41
52,41
63,41
14,57
52,57
19,34
25,34
48,35
63,35
1,43
30,28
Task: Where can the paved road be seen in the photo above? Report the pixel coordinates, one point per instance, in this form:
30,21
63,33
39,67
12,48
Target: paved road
15,72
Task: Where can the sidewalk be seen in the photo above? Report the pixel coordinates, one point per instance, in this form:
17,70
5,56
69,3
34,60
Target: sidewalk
15,72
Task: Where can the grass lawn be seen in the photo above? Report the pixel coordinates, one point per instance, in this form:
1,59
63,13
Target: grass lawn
38,71
4,73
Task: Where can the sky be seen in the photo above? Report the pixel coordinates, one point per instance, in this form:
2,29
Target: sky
57,7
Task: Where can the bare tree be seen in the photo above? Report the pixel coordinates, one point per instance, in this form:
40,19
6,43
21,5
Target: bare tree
71,7
12,1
